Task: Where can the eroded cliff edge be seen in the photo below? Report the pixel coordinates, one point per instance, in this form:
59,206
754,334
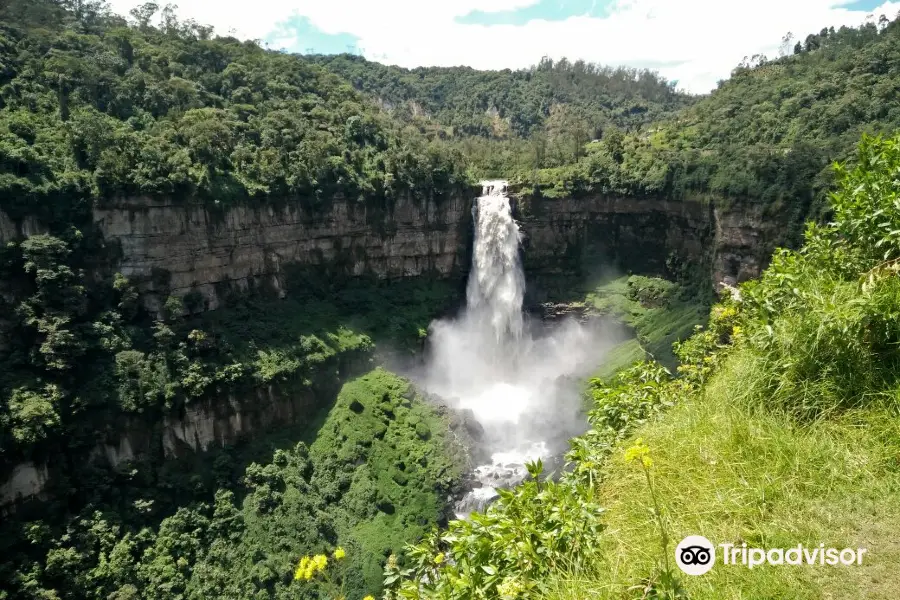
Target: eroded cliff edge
169,248
173,248
569,241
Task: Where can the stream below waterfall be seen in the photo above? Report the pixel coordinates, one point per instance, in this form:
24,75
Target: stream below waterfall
520,378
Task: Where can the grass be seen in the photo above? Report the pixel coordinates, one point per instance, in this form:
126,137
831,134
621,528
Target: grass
621,356
655,308
729,470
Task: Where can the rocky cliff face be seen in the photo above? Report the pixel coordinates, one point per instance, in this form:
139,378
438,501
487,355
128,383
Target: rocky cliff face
745,238
570,240
174,249
207,424
169,248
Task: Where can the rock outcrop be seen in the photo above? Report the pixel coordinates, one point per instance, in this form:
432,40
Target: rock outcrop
745,238
571,240
171,248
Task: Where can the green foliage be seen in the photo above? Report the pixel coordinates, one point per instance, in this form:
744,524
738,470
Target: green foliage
507,552
867,205
815,337
111,110
33,414
660,312
508,123
823,319
635,396
766,135
552,99
341,490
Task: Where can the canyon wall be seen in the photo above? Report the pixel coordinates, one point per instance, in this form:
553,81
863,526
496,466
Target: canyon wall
206,424
745,237
570,241
168,248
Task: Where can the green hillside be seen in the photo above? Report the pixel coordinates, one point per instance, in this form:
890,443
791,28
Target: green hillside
91,108
767,135
775,424
468,102
781,428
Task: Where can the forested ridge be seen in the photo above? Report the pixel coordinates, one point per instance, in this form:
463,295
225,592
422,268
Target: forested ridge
100,109
95,107
768,135
587,98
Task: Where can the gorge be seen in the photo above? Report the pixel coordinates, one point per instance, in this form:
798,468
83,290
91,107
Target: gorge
257,312
206,256
170,248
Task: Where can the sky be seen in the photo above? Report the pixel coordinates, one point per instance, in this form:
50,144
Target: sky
693,42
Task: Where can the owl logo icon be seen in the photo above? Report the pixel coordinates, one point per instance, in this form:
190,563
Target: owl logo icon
695,555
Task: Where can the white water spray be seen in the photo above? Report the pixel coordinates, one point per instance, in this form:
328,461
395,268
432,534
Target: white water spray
489,360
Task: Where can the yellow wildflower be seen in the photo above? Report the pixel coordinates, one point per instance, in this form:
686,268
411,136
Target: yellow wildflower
339,553
639,452
320,561
369,598
305,570
510,588
439,558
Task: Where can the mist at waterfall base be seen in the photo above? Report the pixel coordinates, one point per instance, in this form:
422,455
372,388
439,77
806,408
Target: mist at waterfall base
521,377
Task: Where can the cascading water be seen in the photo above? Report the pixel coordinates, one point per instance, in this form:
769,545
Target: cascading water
490,361
496,285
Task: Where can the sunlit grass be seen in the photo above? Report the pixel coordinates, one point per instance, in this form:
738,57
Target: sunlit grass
730,470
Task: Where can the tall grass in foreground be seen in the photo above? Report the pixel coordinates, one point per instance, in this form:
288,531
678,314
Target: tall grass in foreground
792,435
734,471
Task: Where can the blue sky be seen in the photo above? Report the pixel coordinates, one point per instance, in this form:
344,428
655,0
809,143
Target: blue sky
696,42
548,10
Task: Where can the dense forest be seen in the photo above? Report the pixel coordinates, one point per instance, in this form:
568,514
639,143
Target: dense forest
95,107
550,95
501,118
768,134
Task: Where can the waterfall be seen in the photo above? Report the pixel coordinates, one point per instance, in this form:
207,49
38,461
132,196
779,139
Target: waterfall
496,285
490,361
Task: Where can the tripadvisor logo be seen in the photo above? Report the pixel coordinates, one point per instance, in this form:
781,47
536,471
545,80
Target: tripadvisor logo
696,555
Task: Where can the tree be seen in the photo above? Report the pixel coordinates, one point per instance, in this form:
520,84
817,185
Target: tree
143,13
786,42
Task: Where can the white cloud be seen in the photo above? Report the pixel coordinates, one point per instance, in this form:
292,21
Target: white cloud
708,37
